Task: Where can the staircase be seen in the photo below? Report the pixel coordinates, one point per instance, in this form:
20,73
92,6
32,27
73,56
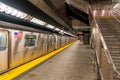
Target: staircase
111,34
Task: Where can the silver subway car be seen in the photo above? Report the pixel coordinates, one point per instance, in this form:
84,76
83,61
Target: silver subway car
19,45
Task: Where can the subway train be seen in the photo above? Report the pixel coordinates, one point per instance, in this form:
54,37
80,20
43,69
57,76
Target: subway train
20,44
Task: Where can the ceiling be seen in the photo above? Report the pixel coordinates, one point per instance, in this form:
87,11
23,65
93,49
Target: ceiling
42,5
29,8
54,11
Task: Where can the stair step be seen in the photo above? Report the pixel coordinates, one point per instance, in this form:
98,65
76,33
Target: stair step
118,69
114,52
117,65
107,33
113,43
106,27
116,61
111,40
112,36
115,57
111,32
109,36
110,27
114,49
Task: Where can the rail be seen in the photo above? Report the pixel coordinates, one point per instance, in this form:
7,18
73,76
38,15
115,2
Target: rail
115,17
107,53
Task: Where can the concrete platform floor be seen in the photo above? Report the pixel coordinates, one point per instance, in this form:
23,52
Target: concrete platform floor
73,63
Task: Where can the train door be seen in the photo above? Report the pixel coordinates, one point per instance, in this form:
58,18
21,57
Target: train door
56,42
45,44
49,43
3,51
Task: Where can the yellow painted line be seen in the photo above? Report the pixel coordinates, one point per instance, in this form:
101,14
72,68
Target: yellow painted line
103,17
19,70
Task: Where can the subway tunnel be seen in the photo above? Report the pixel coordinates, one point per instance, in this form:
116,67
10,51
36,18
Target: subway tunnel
59,40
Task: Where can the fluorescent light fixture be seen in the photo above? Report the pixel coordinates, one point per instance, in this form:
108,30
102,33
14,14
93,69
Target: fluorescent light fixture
69,34
94,12
8,10
61,32
11,11
93,30
103,12
50,26
65,32
2,7
57,29
37,21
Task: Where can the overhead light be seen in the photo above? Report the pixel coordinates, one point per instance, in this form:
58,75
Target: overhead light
61,32
14,12
50,26
8,10
69,34
37,21
103,12
11,11
57,29
2,7
65,32
94,12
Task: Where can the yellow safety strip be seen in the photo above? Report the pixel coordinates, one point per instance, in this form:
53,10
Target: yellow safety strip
19,70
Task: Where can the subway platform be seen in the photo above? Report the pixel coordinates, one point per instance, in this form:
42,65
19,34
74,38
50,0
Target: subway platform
73,63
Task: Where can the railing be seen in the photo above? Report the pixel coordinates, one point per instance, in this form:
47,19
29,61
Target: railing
107,53
113,15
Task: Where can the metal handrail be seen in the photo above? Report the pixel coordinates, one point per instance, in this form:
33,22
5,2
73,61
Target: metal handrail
115,18
105,46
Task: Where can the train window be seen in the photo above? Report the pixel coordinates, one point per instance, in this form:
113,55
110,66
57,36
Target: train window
30,40
3,41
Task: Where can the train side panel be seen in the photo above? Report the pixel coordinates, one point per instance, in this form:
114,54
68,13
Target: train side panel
25,46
